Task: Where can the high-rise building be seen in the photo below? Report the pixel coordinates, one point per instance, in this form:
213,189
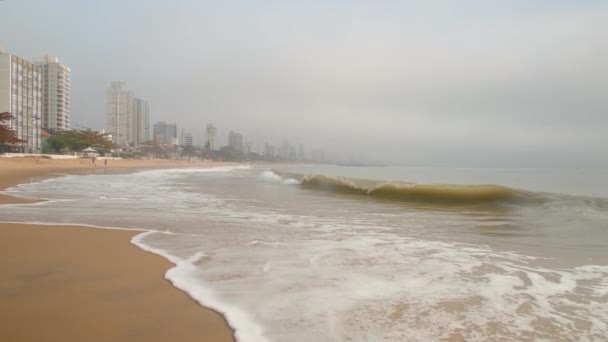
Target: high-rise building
21,95
56,91
188,139
120,113
235,141
165,134
211,133
140,123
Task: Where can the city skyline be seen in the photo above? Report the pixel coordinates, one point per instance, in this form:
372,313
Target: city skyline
314,171
373,80
128,122
127,116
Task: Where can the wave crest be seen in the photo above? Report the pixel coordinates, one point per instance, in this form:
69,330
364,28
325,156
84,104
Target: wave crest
449,194
407,192
332,184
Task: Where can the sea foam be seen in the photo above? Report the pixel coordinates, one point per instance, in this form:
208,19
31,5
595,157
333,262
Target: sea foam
184,277
299,266
274,177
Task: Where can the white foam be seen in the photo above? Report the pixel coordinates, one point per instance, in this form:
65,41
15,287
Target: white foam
184,277
270,176
207,169
38,223
291,181
273,177
334,277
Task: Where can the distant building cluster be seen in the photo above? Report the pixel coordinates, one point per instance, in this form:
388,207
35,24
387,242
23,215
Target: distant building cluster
289,152
128,118
236,148
37,94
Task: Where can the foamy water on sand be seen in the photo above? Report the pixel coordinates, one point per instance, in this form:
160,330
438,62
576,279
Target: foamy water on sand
288,261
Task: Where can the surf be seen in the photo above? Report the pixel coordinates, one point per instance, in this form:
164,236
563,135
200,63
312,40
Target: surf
447,194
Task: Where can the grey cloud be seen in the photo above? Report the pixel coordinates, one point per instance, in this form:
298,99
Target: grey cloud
405,82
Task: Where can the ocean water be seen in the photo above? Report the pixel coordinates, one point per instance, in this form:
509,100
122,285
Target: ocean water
330,253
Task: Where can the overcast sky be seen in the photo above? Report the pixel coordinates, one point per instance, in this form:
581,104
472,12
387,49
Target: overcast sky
479,83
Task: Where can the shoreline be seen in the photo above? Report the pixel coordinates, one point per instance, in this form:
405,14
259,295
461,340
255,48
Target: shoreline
15,171
50,290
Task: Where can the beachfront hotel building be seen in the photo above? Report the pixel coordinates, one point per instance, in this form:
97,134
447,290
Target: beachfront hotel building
120,114
140,122
56,93
21,95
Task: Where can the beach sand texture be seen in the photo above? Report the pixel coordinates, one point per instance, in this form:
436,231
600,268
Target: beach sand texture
74,283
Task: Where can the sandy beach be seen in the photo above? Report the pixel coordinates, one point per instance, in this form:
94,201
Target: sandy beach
73,283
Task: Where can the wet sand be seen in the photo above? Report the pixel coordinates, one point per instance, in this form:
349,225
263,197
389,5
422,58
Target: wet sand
14,171
74,283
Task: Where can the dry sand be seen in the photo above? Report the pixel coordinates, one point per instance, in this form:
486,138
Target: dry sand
72,283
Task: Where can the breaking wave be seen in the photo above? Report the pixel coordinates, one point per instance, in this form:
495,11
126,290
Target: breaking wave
408,192
446,193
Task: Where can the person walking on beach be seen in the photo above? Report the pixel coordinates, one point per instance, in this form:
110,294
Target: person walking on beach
105,162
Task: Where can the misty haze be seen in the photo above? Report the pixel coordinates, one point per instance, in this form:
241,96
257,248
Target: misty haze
514,84
303,170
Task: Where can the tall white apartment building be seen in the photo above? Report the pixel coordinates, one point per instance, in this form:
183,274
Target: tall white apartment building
120,113
21,95
56,91
140,123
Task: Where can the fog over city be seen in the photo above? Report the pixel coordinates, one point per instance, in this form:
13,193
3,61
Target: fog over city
457,83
